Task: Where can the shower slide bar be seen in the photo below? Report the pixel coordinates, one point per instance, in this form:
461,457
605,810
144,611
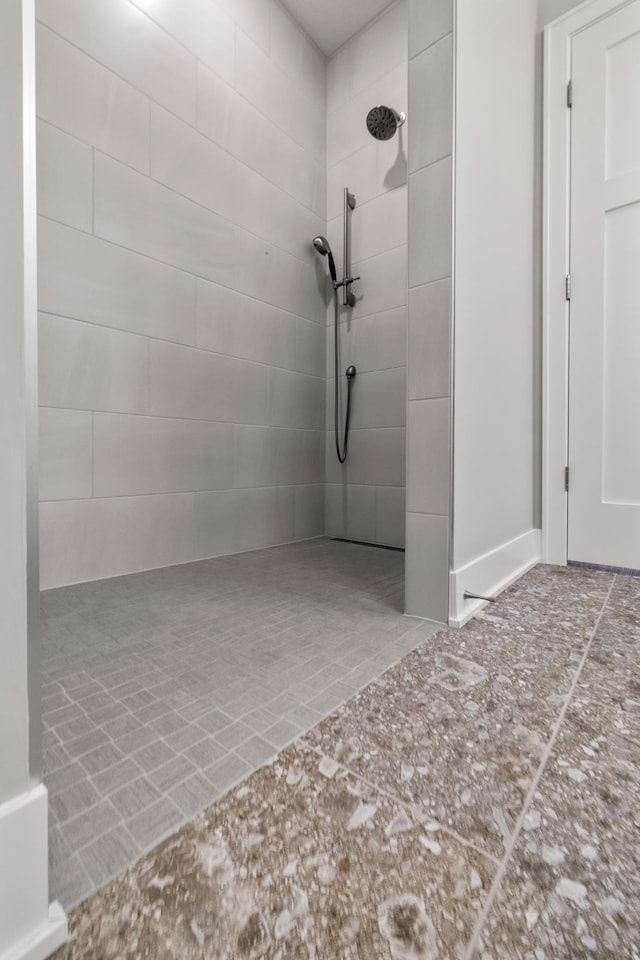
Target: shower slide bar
348,299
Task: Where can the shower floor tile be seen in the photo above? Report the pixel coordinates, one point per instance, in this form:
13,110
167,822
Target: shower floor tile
478,801
162,689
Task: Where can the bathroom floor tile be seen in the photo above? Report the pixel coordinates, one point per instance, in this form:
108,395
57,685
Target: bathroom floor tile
571,889
460,725
333,869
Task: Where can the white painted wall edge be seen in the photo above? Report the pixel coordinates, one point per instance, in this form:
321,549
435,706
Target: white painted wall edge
30,928
490,574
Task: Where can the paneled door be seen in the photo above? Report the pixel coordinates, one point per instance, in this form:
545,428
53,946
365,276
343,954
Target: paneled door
604,326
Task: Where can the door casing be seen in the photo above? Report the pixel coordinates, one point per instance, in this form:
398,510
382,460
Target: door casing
556,194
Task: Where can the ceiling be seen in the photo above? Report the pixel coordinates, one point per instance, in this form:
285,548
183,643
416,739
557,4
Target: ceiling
330,23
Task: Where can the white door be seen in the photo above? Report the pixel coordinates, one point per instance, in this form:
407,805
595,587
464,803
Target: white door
604,337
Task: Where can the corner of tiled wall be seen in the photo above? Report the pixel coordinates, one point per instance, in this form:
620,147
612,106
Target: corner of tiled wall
429,419
365,498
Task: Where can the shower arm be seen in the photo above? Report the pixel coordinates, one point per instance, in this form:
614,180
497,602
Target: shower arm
348,298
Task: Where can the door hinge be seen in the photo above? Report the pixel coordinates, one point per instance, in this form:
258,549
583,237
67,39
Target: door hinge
566,479
570,93
567,286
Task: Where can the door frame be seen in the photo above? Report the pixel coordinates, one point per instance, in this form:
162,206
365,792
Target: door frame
556,194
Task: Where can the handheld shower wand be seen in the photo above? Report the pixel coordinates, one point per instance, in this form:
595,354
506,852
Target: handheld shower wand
321,244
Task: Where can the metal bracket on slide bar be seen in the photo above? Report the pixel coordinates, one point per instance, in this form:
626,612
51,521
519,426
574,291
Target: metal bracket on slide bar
467,595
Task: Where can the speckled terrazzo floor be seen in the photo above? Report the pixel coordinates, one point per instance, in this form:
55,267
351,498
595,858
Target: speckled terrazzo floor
478,801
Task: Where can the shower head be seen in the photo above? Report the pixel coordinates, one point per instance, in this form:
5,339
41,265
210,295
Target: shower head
382,122
322,246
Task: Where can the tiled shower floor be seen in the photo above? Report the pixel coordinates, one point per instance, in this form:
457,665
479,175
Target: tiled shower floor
162,689
478,801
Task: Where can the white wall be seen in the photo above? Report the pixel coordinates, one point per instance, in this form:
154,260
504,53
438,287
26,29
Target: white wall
365,498
181,176
548,10
494,498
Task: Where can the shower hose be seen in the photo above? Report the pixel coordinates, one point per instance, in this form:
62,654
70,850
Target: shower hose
342,455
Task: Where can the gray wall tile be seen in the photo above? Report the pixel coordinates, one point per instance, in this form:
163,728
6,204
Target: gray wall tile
390,516
429,340
83,98
430,213
135,455
429,20
148,58
91,368
65,177
427,567
430,267
86,278
429,456
430,83
65,467
194,384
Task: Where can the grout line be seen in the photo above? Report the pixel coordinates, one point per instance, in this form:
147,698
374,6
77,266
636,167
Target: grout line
216,213
193,346
505,863
180,493
307,148
93,190
322,323
407,806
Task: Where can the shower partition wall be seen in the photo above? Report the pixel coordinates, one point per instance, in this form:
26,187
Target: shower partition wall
365,497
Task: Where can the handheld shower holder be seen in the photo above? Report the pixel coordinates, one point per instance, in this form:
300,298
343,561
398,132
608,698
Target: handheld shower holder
349,298
345,282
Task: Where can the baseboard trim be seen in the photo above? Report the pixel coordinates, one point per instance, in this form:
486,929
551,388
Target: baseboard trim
490,574
30,928
44,941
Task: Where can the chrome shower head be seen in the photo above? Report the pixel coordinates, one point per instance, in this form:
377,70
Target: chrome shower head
382,122
321,244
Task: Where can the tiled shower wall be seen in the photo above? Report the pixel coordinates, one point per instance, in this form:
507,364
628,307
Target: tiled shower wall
366,496
182,326
429,420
